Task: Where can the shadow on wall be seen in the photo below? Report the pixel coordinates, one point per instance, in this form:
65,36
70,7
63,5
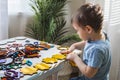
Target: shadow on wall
17,24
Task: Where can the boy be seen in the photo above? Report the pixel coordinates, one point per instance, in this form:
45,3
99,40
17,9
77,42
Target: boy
96,47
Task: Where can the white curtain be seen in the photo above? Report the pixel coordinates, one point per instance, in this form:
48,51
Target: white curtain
20,14
3,20
14,17
114,33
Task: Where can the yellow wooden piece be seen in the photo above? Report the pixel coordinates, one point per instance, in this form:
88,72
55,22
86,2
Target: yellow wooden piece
72,63
62,48
49,60
42,66
28,70
59,56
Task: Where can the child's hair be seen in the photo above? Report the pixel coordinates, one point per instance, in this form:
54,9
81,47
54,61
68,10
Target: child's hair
89,14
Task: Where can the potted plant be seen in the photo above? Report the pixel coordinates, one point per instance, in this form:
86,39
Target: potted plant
49,22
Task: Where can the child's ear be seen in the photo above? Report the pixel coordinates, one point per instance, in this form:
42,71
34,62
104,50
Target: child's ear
89,29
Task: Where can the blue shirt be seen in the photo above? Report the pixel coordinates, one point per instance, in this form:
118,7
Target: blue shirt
97,54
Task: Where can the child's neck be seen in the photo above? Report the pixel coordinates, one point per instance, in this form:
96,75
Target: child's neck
97,36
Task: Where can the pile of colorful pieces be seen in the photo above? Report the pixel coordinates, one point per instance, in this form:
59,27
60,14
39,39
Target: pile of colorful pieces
44,65
13,57
14,53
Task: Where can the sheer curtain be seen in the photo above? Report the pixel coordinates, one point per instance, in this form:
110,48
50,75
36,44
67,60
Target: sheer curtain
114,34
3,20
20,14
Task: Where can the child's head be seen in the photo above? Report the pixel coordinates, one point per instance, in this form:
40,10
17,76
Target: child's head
88,16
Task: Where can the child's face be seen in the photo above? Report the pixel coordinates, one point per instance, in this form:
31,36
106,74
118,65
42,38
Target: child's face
83,34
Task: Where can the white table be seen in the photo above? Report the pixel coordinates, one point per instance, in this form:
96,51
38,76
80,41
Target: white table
50,74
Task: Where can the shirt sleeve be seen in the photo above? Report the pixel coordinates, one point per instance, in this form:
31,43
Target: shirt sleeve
96,58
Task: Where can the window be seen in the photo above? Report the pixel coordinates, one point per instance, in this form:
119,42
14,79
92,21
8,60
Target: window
115,12
106,10
19,6
112,11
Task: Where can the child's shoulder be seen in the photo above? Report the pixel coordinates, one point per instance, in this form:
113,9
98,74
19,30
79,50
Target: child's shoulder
99,45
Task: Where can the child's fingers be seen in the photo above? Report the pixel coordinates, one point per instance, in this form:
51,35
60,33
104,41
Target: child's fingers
64,52
69,56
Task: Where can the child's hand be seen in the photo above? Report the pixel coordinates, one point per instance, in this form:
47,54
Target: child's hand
65,52
71,56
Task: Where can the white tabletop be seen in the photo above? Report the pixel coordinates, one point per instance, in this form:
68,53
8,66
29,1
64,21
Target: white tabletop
40,75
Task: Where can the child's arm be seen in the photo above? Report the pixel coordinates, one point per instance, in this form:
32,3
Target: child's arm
78,45
86,70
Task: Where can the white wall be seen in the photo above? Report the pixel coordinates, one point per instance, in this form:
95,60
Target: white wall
100,2
71,7
18,23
